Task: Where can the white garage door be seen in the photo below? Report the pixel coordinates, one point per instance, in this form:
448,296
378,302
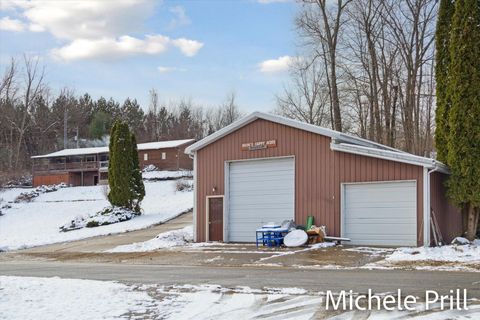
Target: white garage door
260,191
382,214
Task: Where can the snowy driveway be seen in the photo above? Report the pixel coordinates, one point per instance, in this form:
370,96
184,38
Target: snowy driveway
359,280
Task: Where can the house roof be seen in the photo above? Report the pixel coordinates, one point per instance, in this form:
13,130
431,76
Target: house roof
96,150
340,141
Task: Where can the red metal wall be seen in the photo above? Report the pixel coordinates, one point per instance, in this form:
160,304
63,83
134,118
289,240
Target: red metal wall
448,216
319,172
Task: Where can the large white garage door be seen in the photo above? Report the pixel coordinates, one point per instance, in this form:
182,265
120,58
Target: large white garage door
382,214
260,191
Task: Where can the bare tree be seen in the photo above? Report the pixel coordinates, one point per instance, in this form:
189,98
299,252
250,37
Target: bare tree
153,109
411,27
305,99
33,86
320,23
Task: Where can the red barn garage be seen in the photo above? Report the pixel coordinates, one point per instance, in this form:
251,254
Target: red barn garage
266,168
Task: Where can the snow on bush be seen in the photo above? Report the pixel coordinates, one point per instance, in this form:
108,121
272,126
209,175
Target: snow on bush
108,215
30,195
184,185
174,238
166,175
149,168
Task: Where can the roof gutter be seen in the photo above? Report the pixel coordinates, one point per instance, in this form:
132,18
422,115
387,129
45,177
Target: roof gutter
389,155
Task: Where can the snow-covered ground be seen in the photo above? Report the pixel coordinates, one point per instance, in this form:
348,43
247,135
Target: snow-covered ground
54,298
451,253
168,239
452,257
37,223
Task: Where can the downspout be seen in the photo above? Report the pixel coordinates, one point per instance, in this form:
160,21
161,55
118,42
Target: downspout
427,204
194,157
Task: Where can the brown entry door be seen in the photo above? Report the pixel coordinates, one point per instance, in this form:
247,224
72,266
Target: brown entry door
215,219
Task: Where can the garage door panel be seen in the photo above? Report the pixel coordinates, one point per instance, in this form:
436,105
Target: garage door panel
385,229
257,179
260,191
380,212
383,213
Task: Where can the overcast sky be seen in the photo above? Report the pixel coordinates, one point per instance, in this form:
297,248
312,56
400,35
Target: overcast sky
198,49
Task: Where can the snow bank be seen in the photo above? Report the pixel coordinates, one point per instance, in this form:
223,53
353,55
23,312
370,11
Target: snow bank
104,217
27,298
166,175
451,253
37,223
168,239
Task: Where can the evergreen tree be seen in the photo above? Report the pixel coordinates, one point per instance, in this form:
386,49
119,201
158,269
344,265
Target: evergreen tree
442,40
138,187
464,114
124,176
119,165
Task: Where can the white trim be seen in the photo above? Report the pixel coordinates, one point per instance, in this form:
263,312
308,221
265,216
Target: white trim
195,190
426,208
226,199
343,193
226,188
287,122
207,229
389,155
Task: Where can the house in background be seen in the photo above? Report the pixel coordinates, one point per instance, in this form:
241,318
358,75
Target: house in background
89,166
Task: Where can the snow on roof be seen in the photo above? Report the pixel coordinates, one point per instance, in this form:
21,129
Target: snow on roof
97,150
163,144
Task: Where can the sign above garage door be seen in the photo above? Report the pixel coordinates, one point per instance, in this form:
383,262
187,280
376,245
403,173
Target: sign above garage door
259,145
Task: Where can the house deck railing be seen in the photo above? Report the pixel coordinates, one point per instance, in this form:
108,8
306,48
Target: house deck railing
68,166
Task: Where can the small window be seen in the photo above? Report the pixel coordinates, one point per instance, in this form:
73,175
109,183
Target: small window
145,157
164,155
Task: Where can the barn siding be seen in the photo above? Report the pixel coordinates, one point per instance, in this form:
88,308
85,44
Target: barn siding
50,179
448,216
319,172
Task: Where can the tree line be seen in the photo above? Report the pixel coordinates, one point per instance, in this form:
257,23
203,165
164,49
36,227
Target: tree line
35,121
366,67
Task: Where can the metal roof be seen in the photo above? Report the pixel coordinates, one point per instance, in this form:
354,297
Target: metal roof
340,141
96,150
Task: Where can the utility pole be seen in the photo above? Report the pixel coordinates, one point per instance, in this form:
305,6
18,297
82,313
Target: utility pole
65,138
76,137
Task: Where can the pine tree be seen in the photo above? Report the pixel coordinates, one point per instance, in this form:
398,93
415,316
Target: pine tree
442,58
111,161
464,114
138,187
124,175
119,166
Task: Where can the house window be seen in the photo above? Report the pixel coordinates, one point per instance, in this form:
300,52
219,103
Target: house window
164,155
145,157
